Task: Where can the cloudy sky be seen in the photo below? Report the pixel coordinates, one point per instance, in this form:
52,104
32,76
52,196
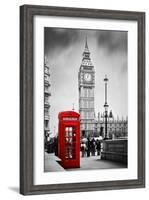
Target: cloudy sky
63,50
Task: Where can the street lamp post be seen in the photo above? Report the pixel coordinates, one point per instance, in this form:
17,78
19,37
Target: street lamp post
106,107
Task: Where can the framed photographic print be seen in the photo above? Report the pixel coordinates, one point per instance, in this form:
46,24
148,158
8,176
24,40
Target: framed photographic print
82,99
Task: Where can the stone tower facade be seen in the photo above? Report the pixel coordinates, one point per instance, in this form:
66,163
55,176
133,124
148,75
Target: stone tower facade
86,79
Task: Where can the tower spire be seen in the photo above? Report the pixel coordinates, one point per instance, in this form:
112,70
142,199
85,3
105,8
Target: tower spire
86,60
86,53
86,50
86,45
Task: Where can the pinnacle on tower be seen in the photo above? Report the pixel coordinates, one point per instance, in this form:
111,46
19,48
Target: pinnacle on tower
86,46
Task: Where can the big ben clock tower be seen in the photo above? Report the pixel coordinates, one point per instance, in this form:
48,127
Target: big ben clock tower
86,78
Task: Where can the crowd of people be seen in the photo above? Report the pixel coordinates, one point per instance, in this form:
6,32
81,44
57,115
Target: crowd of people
90,147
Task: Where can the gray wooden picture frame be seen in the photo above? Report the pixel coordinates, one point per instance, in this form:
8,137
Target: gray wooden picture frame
27,13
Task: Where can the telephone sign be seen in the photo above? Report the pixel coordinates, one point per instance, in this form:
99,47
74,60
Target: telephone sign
69,139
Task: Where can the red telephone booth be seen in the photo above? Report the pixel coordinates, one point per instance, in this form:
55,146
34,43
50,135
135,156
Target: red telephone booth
69,139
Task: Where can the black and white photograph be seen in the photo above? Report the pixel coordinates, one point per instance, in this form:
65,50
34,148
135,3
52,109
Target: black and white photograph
85,99
82,99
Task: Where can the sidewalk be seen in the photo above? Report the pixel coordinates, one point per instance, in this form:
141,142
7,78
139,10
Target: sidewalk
86,163
51,164
94,162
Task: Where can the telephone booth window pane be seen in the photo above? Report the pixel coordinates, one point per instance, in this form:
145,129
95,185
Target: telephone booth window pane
70,134
70,140
70,143
70,129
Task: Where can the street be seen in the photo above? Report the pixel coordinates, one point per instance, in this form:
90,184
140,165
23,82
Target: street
86,163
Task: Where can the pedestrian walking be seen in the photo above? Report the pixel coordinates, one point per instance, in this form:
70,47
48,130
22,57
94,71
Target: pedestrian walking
98,147
83,148
93,147
88,148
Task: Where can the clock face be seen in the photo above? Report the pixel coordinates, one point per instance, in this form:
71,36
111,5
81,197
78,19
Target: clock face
87,77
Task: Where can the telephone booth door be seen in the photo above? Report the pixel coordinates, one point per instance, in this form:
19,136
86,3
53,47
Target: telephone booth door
69,139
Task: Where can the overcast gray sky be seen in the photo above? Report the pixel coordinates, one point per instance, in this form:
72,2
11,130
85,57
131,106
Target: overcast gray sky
64,48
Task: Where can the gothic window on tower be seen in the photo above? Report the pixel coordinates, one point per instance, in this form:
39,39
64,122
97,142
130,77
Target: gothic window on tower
85,92
82,114
88,92
85,104
88,104
86,115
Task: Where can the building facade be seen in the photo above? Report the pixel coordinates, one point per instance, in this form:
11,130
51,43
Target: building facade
116,128
86,79
47,95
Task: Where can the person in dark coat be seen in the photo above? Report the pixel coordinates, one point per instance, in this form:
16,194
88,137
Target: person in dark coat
98,147
88,147
93,147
